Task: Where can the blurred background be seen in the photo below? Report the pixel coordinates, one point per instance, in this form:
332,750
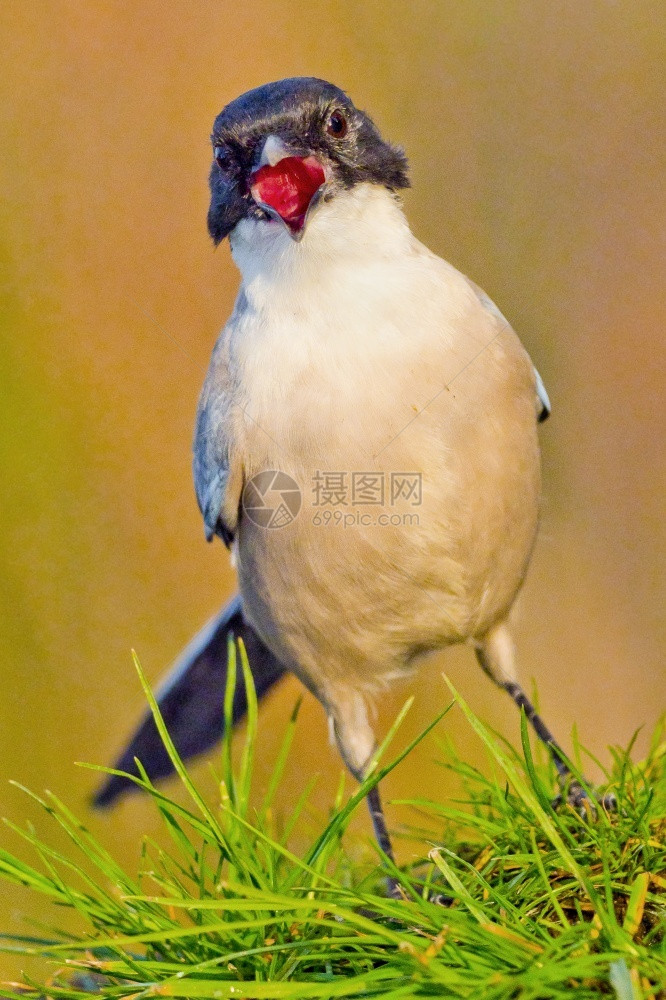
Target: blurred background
536,136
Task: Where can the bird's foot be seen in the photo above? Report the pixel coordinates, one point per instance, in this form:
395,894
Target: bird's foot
395,891
440,899
579,799
393,888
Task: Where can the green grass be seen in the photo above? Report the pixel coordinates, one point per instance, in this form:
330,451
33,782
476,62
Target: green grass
544,903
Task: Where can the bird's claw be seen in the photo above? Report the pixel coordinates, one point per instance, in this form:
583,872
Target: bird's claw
440,899
395,891
586,807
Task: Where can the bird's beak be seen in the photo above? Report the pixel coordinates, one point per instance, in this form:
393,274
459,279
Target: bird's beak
272,152
286,186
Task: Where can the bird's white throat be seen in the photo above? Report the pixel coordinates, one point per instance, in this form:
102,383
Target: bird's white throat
355,226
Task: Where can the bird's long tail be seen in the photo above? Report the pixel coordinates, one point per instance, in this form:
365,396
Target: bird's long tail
191,700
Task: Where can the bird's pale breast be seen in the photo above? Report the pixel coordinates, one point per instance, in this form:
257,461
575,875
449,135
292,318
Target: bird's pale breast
407,419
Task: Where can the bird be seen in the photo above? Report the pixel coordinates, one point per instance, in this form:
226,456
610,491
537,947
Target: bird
366,441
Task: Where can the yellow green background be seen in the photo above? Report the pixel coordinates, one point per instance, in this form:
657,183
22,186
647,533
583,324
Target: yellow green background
535,131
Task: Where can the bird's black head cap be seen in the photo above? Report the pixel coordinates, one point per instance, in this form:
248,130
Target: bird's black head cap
311,117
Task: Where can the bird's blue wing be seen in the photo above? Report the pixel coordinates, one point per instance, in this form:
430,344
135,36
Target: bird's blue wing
212,466
543,400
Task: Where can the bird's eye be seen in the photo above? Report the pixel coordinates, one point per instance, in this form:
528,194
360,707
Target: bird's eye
337,125
222,157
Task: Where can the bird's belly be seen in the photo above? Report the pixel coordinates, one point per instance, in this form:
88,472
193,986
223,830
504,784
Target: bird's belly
402,544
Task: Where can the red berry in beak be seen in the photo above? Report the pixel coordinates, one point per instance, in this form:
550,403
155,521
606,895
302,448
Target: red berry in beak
288,187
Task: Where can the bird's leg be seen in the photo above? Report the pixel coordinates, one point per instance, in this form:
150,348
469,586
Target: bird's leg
540,728
383,838
576,794
495,653
348,718
356,742
379,822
